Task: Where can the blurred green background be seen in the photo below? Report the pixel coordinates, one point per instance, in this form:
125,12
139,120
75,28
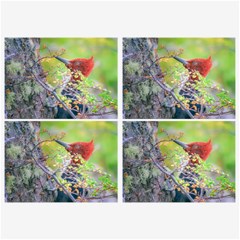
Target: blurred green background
222,135
222,51
104,135
104,51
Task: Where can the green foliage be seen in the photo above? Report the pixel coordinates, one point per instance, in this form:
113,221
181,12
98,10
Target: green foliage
225,183
107,99
98,182
222,135
94,175
99,90
92,94
215,101
225,100
214,180
13,152
217,90
106,183
103,133
222,51
211,95
213,175
104,51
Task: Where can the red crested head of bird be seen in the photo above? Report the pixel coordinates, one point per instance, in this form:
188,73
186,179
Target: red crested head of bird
78,66
200,65
84,149
202,149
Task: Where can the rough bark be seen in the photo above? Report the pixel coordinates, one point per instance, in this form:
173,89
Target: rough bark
143,98
25,98
143,182
24,180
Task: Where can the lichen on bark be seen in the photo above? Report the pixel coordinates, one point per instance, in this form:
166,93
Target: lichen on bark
142,97
24,180
142,181
24,97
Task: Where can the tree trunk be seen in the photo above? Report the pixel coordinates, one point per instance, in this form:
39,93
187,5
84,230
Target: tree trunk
143,182
143,98
24,180
25,98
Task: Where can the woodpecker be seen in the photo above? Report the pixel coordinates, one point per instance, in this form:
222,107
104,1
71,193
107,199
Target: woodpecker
79,67
203,150
194,66
78,151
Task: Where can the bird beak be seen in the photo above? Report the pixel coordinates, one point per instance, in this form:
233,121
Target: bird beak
183,145
66,145
63,60
184,62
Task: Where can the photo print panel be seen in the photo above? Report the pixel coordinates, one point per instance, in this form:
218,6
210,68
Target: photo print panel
61,161
61,78
179,161
179,78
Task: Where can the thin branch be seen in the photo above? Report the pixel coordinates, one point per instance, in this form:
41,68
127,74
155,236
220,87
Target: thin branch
48,172
101,197
169,91
10,56
9,139
224,196
50,89
162,169
125,57
101,114
219,114
40,144
127,139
